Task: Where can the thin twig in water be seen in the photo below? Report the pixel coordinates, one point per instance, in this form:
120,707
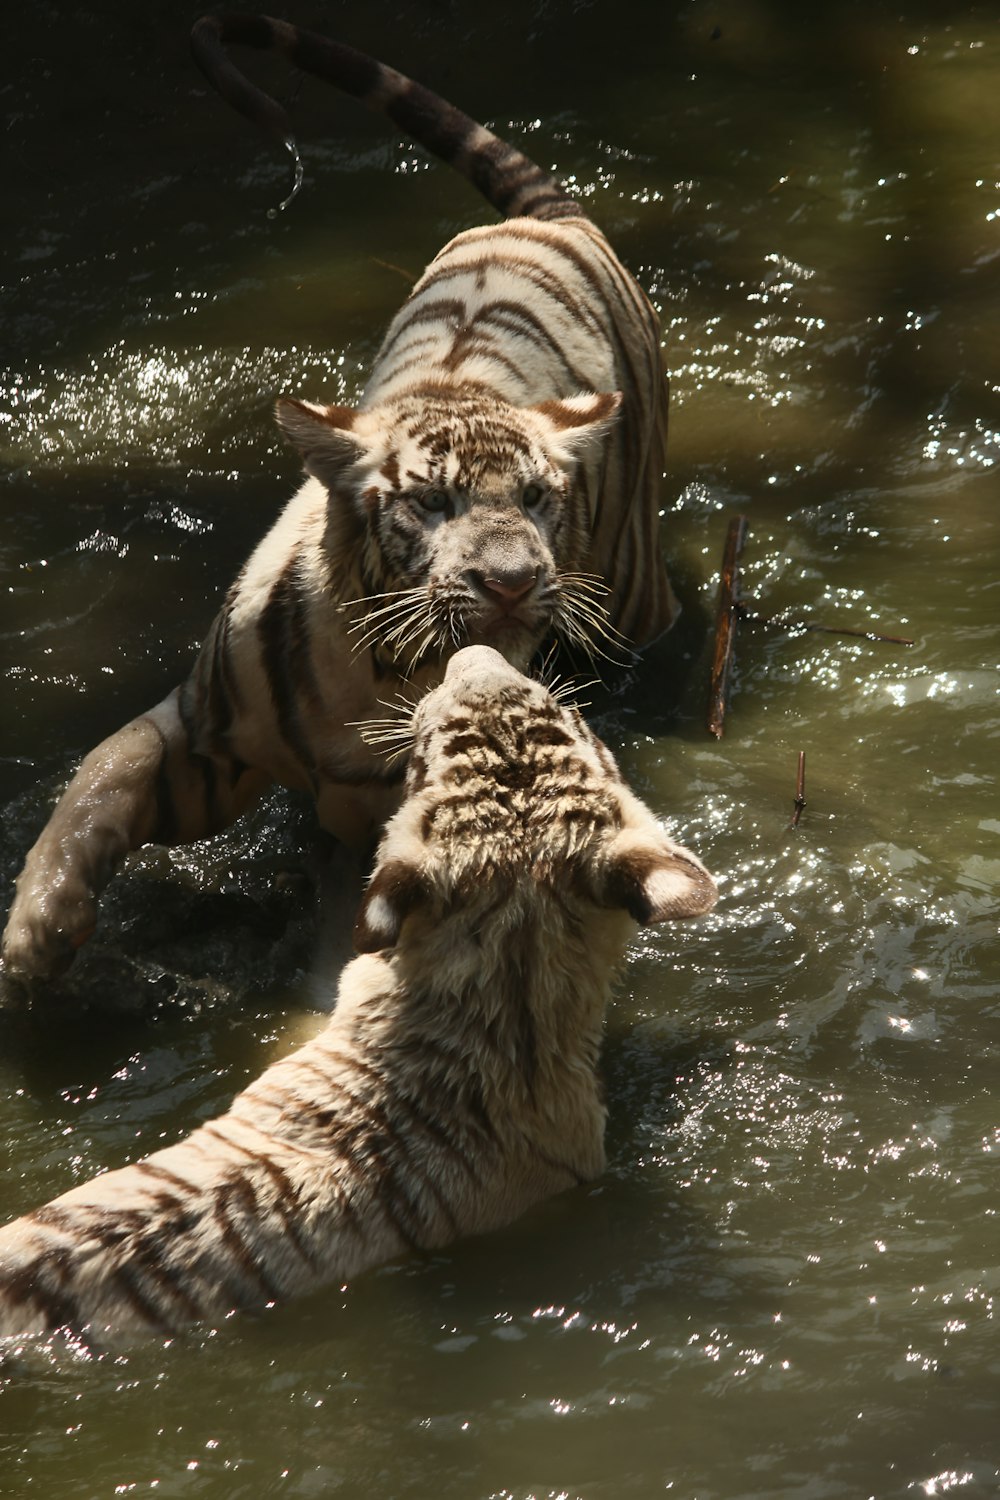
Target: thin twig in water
800,791
777,623
725,625
388,265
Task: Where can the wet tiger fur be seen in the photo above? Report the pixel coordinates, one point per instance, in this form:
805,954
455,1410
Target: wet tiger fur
456,1083
498,482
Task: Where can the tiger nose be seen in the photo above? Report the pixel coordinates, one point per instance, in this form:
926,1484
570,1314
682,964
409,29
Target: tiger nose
508,585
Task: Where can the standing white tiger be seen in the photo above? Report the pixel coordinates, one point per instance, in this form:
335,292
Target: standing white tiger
456,1083
498,482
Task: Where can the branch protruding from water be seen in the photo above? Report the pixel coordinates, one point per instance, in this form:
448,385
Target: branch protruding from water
800,791
728,612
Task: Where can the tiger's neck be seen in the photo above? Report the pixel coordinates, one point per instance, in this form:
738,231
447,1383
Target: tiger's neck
517,1005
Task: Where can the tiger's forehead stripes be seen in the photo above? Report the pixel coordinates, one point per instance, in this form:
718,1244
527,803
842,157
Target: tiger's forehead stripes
509,776
471,434
468,436
390,470
474,447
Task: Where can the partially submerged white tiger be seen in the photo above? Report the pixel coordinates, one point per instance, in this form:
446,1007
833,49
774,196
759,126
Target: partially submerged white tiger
456,1083
499,482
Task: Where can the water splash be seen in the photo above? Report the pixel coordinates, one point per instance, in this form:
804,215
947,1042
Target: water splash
292,148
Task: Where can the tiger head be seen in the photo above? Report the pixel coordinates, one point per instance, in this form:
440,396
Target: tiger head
514,805
464,516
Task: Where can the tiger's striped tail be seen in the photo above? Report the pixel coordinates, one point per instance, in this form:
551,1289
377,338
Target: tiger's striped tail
507,179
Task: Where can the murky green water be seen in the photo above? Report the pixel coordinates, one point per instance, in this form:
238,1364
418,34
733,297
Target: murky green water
784,1286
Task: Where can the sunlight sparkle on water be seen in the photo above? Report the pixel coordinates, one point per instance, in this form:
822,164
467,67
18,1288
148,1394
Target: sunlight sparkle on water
762,352
917,685
160,405
948,1479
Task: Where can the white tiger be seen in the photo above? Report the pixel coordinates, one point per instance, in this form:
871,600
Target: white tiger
499,482
457,1081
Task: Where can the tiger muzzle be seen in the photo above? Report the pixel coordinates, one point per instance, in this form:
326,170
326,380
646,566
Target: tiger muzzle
506,587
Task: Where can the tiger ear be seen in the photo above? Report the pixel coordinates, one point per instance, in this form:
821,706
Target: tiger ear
323,435
576,422
395,890
655,880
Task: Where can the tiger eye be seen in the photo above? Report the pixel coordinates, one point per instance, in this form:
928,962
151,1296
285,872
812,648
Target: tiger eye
533,496
434,501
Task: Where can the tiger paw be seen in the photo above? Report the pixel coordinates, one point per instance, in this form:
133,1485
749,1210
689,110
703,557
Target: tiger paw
36,947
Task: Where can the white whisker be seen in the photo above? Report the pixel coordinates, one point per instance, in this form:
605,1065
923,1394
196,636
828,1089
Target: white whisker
367,599
402,638
407,602
401,704
588,612
392,735
567,691
453,626
589,581
545,671
421,650
580,620
410,611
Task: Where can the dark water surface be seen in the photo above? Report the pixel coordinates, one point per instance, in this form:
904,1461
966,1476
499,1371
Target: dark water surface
784,1285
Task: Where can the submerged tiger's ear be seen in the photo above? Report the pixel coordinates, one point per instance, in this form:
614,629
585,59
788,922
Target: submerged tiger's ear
578,421
655,880
323,435
394,891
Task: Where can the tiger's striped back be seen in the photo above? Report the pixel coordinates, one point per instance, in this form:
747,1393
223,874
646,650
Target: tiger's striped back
456,1082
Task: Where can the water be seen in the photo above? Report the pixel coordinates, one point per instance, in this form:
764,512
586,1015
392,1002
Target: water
298,176
784,1285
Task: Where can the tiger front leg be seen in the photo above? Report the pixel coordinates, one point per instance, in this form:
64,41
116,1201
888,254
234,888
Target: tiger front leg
142,785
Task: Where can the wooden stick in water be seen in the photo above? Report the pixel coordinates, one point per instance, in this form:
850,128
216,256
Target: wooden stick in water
725,625
800,791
